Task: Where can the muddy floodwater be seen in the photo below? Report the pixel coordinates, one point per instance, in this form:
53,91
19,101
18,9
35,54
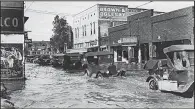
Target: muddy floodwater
48,87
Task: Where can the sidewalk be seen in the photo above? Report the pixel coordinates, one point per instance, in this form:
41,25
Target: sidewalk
130,66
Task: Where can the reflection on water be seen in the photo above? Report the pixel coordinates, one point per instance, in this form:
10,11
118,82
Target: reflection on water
48,87
14,85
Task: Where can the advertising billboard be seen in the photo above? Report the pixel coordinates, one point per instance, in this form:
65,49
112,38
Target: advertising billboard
113,12
11,60
12,56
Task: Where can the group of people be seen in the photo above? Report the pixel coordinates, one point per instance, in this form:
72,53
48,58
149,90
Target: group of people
181,60
13,57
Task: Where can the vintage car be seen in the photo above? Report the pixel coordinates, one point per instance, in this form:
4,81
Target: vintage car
72,62
101,64
57,60
174,74
44,60
29,58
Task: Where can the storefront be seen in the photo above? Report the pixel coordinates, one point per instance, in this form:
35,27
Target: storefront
125,50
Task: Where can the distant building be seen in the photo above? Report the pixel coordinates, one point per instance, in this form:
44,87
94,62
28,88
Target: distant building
40,47
91,25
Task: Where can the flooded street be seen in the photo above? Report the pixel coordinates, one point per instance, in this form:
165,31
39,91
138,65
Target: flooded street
48,87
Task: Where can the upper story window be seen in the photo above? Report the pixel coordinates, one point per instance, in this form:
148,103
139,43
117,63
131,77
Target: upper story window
93,27
85,31
75,32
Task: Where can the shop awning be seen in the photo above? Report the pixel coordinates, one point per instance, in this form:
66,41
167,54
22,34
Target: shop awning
123,44
76,50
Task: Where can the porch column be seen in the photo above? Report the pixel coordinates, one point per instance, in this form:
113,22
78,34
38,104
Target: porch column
129,53
115,55
139,55
150,50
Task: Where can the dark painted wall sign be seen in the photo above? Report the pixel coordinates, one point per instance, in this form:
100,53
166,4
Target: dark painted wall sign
12,16
12,20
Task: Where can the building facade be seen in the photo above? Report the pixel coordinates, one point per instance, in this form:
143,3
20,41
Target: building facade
151,32
40,47
90,27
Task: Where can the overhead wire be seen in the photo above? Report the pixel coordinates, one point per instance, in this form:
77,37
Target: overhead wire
29,6
144,4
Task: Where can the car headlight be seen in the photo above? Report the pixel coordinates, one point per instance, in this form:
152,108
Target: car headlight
107,72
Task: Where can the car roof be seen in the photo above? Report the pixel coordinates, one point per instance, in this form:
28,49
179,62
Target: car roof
98,53
178,48
59,54
73,54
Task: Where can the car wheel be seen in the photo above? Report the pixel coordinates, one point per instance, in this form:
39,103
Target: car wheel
87,72
153,84
100,75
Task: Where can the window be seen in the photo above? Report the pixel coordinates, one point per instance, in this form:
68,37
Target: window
94,27
85,31
82,30
112,24
91,27
75,33
78,32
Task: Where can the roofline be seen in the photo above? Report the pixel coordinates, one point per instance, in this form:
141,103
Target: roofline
113,5
178,48
146,9
84,10
173,11
98,5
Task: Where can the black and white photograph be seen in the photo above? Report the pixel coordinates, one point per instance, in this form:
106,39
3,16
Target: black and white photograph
97,54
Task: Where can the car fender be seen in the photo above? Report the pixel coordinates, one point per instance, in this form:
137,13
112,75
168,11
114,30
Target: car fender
189,87
153,76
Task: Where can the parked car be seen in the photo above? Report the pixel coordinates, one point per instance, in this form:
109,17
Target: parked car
29,58
101,64
72,62
174,74
44,60
57,60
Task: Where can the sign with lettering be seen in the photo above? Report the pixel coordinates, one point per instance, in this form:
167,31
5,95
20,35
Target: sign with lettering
93,42
128,40
28,40
109,11
12,4
12,20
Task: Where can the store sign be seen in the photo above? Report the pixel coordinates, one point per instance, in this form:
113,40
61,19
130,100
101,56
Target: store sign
93,42
112,11
12,4
12,20
28,40
128,40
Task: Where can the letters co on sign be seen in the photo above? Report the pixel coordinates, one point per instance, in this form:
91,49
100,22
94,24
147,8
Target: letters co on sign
12,16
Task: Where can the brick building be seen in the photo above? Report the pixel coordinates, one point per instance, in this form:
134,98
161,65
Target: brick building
153,32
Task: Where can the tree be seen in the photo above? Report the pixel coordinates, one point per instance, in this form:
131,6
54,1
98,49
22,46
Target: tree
61,34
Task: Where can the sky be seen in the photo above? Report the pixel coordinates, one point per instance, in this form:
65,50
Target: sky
41,13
